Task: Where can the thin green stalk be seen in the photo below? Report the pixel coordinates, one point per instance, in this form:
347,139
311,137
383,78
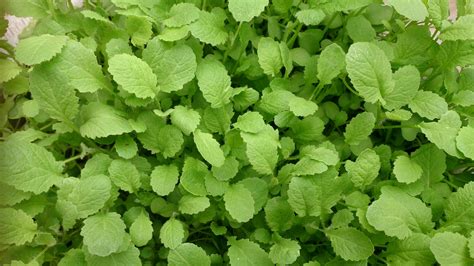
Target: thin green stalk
292,40
71,159
316,91
394,126
349,87
232,42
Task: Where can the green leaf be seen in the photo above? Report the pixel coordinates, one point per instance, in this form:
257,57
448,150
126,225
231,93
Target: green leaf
239,203
100,120
413,249
140,29
28,167
38,49
246,10
80,66
269,56
407,82
9,70
163,179
188,254
16,227
181,14
412,9
262,149
141,230
450,249
399,214
310,17
54,97
173,66
365,169
301,193
370,71
278,214
133,75
302,107
209,148
342,219
172,233
214,82
360,29
82,197
443,133
73,257
428,104
350,244
465,141
126,147
251,122
209,28
228,170
406,170
360,128
331,63
128,257
103,233
192,178
10,196
185,119
125,175
459,208
461,29
284,251
438,11
244,252
189,204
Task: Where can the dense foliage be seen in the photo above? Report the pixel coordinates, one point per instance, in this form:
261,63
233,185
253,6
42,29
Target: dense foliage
242,132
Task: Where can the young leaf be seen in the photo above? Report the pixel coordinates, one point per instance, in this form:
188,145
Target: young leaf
38,49
141,230
428,104
103,233
185,119
209,148
246,10
465,141
239,203
125,175
214,82
350,243
365,169
172,233
360,128
284,251
189,204
331,63
406,170
370,71
134,75
163,179
245,252
412,9
16,227
461,29
269,56
450,249
209,28
188,254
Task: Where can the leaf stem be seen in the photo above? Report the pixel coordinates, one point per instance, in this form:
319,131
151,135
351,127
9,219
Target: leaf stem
349,87
394,126
292,40
316,91
232,41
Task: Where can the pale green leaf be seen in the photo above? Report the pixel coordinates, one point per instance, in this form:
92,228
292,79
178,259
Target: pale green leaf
365,169
188,254
406,170
9,70
181,14
16,227
10,196
301,193
125,175
209,28
413,249
465,141
459,208
190,204
443,133
246,10
228,170
407,81
450,249
130,256
251,122
100,120
461,29
278,214
239,203
192,178
214,82
399,214
133,75
126,147
28,167
185,119
284,251
172,233
244,252
310,17
350,244
412,9
103,233
428,104
359,128
370,71
141,230
163,179
38,49
360,29
209,148
269,56
262,149
302,107
331,63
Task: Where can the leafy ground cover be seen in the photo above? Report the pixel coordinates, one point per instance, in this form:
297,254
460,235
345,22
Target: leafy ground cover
241,132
